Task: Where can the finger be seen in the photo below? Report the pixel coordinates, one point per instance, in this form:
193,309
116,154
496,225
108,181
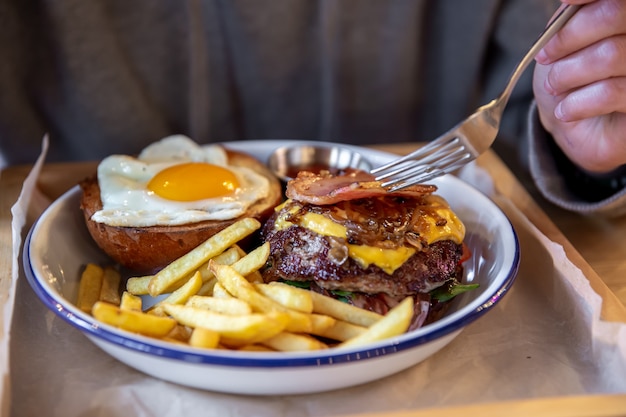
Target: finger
592,23
597,99
596,145
599,61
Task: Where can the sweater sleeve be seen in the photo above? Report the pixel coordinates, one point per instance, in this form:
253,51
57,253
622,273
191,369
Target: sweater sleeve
566,185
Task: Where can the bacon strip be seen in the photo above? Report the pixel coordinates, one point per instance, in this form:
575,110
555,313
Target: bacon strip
325,189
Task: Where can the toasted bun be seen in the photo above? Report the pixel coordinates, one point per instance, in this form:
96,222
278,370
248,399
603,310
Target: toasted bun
148,249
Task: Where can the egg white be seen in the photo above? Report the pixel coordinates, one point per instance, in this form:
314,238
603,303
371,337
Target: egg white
127,202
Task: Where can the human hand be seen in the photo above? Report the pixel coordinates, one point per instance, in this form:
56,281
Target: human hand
580,85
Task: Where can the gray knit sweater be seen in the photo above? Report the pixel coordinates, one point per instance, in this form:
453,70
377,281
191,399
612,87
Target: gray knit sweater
111,76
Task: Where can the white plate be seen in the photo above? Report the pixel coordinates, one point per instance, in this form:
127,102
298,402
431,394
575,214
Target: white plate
58,246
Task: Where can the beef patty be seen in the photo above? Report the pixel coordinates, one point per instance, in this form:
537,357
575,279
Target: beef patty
298,254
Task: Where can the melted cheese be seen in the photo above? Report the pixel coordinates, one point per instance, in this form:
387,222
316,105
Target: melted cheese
386,259
454,229
281,220
323,225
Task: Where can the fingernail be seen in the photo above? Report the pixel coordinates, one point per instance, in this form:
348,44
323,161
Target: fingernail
541,57
558,112
548,87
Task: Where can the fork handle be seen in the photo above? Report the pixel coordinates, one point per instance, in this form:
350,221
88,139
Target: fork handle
554,26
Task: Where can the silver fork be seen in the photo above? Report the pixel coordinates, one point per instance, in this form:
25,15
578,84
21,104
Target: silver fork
468,139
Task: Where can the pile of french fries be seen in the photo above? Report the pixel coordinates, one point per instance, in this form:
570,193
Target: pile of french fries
214,297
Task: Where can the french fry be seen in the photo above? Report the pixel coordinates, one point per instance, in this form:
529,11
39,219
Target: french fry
207,287
238,286
89,287
227,257
253,261
133,321
180,333
342,311
180,296
220,292
243,328
321,324
140,285
280,322
186,264
204,338
292,342
110,290
231,306
340,331
248,267
287,295
240,251
394,323
255,277
130,302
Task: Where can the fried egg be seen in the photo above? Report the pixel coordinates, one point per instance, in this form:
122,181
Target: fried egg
175,181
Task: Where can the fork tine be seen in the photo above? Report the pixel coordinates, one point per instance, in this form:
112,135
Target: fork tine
417,154
422,171
429,156
419,168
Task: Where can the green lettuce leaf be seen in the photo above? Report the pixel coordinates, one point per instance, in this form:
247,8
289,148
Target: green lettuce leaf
451,290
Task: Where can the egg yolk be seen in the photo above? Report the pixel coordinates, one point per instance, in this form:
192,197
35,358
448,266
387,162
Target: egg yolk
193,181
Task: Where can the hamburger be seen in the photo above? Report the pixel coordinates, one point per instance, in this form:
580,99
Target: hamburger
149,210
347,237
